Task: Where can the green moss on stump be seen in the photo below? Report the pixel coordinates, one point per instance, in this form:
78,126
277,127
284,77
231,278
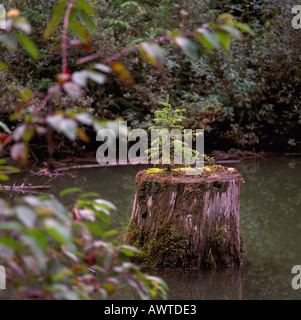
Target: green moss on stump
162,248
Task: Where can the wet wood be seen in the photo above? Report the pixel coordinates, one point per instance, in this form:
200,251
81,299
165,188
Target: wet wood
189,222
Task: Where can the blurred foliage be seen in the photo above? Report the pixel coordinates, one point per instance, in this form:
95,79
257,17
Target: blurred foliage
249,100
54,252
187,64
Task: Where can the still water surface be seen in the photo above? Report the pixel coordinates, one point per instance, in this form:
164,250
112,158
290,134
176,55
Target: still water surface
270,220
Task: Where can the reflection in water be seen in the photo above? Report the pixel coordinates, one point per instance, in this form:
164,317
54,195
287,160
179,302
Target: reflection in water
270,219
222,285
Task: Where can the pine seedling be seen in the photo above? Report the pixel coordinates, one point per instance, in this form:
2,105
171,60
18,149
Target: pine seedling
168,120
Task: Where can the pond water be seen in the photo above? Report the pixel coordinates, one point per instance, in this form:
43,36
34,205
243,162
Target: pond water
270,220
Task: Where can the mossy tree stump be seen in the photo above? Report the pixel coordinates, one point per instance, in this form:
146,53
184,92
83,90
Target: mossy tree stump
187,221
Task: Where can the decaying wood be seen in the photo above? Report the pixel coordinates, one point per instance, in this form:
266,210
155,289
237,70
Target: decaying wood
190,222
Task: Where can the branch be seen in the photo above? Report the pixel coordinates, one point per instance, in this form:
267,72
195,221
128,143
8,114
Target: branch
65,39
24,188
130,49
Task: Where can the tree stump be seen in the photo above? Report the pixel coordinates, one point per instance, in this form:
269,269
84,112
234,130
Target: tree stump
187,221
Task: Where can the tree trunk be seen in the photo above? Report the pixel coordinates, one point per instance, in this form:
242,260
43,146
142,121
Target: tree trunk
186,221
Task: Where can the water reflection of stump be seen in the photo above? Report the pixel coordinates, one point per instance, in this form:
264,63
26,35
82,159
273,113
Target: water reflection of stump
226,284
187,222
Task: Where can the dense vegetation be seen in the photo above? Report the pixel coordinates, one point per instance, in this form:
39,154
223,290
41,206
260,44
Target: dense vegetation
248,100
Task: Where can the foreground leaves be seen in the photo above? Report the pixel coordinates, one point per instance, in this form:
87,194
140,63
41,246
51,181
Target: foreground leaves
42,242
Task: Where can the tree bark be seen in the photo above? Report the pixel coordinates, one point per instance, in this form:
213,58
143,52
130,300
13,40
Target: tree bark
187,222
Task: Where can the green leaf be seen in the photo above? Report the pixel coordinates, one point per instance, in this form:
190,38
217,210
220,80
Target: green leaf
11,243
232,31
4,127
94,228
88,195
51,27
3,66
26,216
36,249
208,39
28,45
103,216
85,6
130,250
89,23
11,226
70,190
24,131
58,231
187,46
110,233
159,281
105,204
57,208
9,42
244,27
152,53
60,9
28,134
3,177
8,168
80,31
225,17
224,39
39,236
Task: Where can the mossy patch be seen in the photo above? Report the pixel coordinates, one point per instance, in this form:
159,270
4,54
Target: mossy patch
165,171
210,168
156,171
163,248
207,171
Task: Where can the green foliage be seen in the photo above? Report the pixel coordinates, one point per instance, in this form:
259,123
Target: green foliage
11,39
73,21
4,169
167,118
167,123
48,251
243,94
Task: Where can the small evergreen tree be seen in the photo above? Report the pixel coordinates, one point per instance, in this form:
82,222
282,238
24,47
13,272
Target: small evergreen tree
167,120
